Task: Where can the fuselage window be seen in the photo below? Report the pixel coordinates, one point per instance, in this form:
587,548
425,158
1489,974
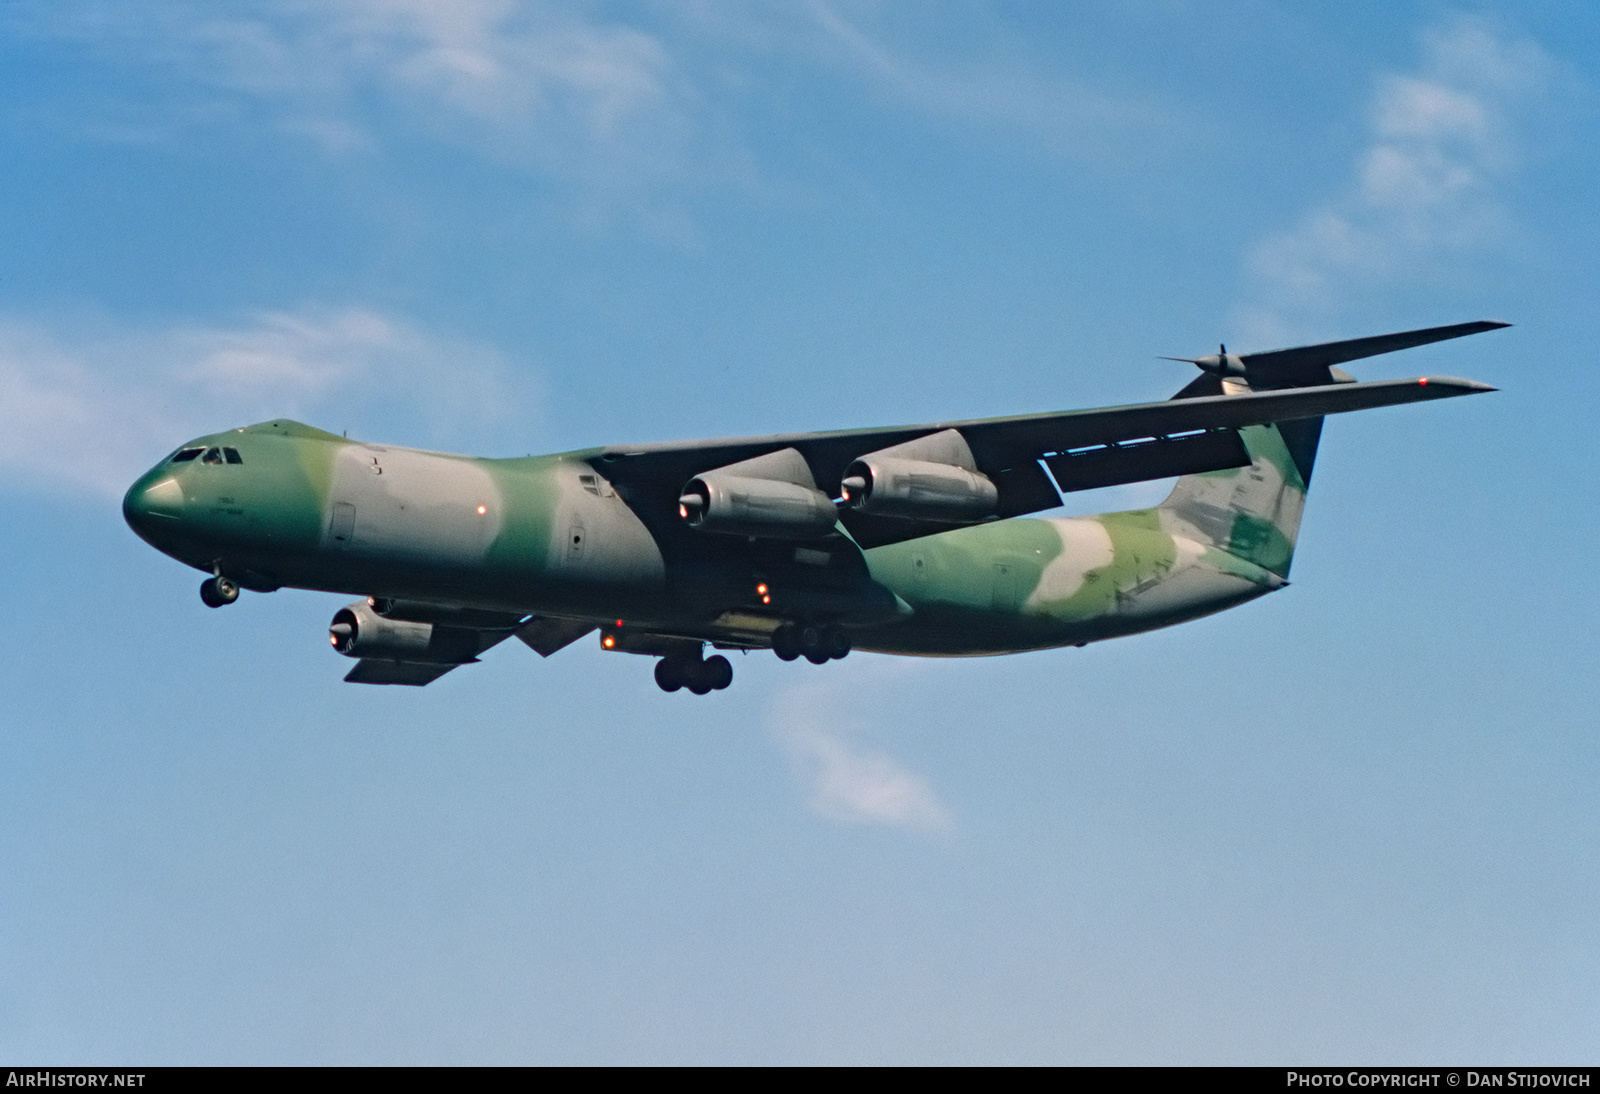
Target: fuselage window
233,455
213,455
187,454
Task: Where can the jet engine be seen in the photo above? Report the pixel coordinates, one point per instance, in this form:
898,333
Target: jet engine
773,496
359,631
930,478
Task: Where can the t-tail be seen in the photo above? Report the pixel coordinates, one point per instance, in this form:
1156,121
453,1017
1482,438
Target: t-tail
1253,511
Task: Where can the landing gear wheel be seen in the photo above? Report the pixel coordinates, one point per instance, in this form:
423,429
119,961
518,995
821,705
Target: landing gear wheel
700,677
719,672
836,642
786,642
667,678
696,677
218,592
814,646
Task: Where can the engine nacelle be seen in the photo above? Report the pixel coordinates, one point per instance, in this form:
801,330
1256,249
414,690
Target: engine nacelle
358,631
772,496
915,488
930,478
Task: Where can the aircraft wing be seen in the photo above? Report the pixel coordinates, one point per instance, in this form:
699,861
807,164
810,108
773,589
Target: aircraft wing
377,670
1083,448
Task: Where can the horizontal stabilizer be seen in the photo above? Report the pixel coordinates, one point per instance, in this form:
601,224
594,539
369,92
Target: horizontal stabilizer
1309,364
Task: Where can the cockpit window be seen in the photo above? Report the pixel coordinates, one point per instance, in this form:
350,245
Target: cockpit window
213,455
233,455
184,455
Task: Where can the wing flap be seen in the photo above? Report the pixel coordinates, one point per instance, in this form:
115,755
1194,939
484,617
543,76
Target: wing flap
1158,458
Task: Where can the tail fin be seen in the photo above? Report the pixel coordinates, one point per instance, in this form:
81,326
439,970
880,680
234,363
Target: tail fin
1253,511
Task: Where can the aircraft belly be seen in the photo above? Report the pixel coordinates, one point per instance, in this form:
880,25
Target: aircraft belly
1186,594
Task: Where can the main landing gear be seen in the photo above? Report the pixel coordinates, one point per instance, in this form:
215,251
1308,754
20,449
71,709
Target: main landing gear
700,677
218,591
819,645
684,668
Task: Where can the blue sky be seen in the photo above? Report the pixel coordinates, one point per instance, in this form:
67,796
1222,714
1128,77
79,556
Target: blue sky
1354,821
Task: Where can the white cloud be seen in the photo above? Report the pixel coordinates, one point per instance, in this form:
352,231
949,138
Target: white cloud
88,404
1061,114
845,781
538,77
619,104
519,79
1442,141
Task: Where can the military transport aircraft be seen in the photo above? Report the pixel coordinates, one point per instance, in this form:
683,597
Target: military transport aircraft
903,540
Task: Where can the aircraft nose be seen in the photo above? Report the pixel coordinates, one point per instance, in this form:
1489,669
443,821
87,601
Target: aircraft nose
150,504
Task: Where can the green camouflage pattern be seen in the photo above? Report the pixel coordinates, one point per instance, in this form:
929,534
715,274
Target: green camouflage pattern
1219,539
666,548
548,536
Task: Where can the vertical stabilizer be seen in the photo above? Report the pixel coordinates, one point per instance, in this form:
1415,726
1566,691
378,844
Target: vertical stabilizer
1253,512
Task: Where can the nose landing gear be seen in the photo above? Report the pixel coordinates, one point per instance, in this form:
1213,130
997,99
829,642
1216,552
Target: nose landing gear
217,592
700,677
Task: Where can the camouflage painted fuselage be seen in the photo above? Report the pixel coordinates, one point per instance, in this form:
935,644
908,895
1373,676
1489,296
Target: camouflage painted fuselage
551,536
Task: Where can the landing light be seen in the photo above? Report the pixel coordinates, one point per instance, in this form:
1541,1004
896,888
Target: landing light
482,509
609,642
